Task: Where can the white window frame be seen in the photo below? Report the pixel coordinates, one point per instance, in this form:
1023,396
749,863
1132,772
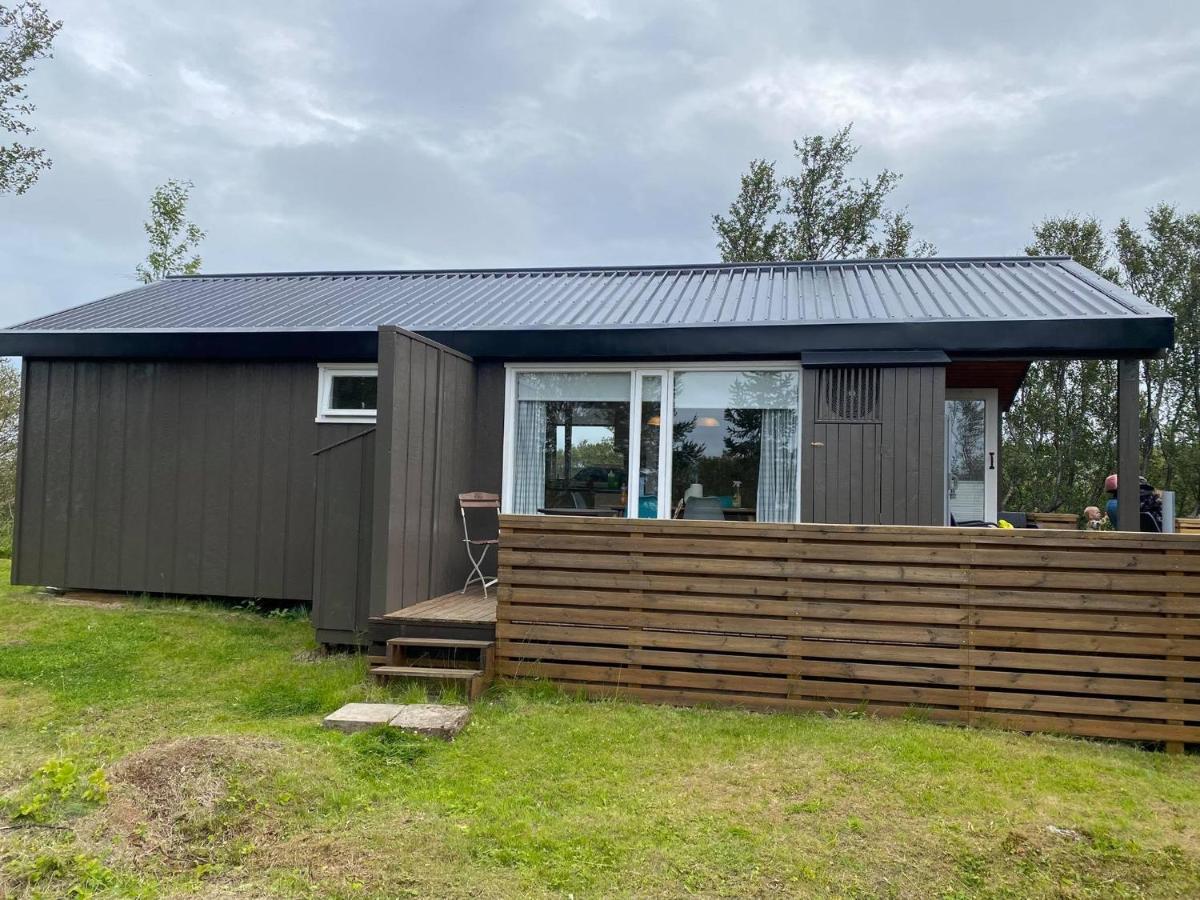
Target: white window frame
665,420
991,451
636,370
326,374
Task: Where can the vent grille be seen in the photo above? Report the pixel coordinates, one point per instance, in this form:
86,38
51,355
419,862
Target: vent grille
848,395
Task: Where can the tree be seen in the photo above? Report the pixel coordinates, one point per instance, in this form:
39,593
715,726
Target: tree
10,406
1060,435
748,234
26,34
1163,267
173,237
819,213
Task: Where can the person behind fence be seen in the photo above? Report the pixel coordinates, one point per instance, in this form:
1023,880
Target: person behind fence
1094,520
1149,503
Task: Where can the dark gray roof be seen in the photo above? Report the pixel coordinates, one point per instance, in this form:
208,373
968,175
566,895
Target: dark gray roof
805,298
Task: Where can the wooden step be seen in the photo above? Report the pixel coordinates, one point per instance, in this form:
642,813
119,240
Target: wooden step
441,642
476,679
426,672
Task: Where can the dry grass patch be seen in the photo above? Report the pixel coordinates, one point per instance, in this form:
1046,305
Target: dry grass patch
193,801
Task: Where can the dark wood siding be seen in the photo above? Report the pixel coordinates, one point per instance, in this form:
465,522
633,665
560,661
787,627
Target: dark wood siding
423,459
887,470
170,477
342,551
487,428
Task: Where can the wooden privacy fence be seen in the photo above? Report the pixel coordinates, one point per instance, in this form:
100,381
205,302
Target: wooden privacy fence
1083,633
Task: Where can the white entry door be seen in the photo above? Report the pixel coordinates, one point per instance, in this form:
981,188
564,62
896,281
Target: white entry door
972,433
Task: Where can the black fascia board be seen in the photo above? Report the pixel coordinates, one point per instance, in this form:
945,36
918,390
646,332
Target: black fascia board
1140,336
818,359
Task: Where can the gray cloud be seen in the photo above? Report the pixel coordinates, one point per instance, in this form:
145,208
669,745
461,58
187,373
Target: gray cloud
376,135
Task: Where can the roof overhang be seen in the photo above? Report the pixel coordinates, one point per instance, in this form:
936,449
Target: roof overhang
1140,336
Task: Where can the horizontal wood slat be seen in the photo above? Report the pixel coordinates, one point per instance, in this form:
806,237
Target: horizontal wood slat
1088,633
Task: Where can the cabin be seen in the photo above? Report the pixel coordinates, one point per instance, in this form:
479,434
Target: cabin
303,437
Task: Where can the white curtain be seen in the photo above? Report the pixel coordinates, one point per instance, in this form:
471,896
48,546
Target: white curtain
777,466
529,485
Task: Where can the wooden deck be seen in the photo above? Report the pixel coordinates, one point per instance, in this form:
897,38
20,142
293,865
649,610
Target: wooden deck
449,609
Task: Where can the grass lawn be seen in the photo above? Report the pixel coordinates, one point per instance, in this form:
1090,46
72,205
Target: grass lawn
168,749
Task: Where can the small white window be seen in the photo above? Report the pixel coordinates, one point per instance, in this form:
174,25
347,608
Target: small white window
347,392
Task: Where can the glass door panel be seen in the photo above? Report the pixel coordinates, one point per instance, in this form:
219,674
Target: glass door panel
970,458
646,446
735,445
571,449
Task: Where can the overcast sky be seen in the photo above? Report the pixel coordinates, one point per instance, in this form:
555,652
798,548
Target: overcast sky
354,135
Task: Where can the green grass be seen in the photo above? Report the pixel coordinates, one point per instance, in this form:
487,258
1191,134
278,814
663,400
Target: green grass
214,779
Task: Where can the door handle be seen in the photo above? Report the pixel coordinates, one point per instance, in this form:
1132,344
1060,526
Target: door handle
991,460
816,443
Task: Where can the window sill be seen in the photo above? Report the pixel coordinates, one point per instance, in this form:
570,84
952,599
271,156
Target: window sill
346,420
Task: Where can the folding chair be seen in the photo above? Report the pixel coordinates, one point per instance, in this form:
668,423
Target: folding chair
478,500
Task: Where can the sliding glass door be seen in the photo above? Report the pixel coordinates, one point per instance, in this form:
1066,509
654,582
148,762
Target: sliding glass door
735,445
684,442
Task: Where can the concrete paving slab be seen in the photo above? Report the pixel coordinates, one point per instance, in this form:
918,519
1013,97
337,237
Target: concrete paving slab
432,719
361,716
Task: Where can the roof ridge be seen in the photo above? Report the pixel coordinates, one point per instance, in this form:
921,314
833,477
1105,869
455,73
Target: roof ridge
653,267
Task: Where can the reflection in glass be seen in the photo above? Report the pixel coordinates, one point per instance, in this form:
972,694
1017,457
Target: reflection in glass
966,434
735,445
572,441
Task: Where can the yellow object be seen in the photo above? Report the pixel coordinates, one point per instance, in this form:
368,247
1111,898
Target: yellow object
1004,523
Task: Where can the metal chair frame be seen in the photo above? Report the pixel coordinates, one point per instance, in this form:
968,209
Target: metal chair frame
478,500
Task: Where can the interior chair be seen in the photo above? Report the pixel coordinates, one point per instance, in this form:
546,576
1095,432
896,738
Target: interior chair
703,508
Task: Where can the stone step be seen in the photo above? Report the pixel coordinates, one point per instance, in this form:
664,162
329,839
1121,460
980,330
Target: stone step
429,719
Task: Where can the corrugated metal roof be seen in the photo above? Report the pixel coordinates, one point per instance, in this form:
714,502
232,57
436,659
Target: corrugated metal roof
827,292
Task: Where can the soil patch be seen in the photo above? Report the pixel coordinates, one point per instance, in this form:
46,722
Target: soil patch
101,599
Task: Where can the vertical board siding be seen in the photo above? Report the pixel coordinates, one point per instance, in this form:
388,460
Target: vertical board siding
191,487
273,476
459,442
294,512
1087,633
133,515
341,554
424,457
82,506
169,477
884,471
110,474
484,427
31,448
161,538
54,537
243,530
